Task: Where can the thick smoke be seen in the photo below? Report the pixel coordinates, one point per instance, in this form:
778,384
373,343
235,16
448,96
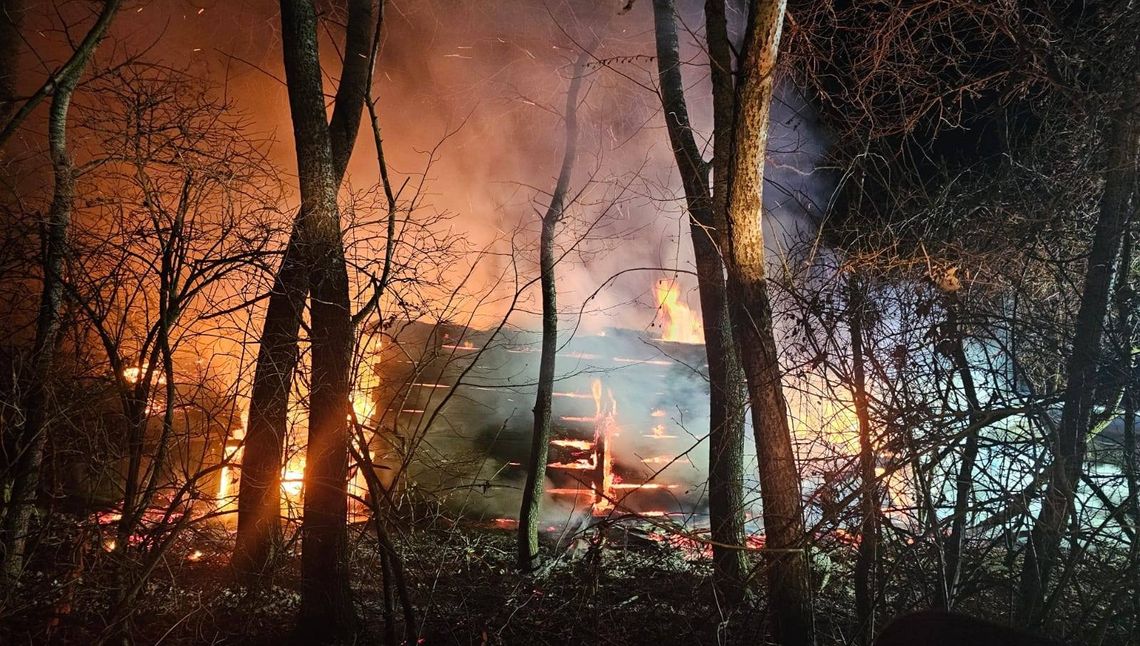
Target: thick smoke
481,85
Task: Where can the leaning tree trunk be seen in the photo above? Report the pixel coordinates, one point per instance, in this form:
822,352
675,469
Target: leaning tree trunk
259,496
540,438
866,561
750,310
326,602
33,436
726,379
1120,180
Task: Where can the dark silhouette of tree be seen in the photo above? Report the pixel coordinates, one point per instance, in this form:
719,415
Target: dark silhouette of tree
259,502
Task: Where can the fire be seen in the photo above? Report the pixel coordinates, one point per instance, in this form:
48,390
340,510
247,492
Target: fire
681,324
581,445
363,396
132,374
603,431
292,479
583,464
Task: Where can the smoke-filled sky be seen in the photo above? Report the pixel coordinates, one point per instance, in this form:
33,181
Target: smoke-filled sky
483,84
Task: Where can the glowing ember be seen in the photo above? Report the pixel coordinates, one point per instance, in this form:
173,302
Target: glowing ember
196,555
681,325
134,373
584,464
658,433
574,444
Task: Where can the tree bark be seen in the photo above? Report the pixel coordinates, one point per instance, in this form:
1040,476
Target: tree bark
751,314
1115,207
327,614
259,495
540,438
33,436
726,378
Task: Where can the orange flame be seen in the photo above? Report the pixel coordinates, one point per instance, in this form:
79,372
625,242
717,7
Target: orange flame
681,324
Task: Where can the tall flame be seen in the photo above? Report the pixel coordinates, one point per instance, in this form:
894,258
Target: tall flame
681,324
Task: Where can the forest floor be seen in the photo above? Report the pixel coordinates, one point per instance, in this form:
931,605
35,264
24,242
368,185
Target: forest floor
622,586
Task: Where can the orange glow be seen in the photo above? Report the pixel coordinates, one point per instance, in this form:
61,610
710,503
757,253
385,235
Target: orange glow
582,465
603,432
574,444
681,324
658,433
134,373
292,480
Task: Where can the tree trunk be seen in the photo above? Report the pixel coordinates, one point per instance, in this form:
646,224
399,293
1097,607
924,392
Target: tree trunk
866,561
259,494
327,614
33,436
540,438
751,314
1120,179
726,379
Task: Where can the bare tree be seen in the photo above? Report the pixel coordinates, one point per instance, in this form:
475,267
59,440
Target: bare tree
540,438
327,613
751,313
1116,207
278,353
33,435
707,227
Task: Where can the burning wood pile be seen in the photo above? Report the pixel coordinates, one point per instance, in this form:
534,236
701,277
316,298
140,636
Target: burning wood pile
602,489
